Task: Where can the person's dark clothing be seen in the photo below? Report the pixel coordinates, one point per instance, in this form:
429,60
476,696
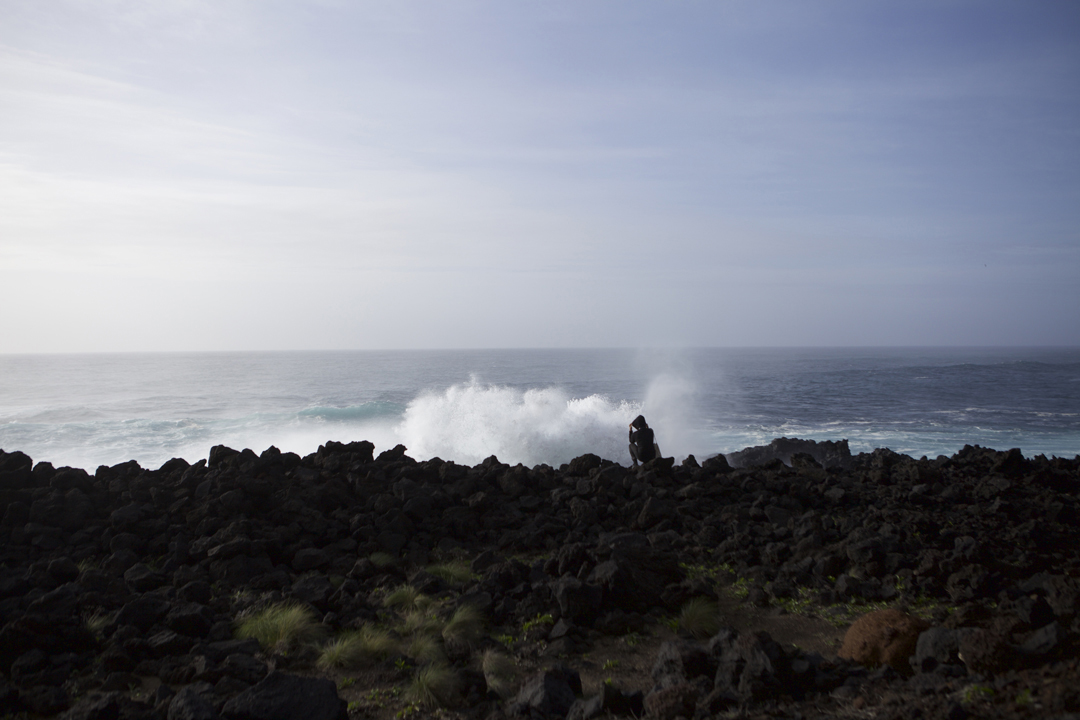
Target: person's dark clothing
641,444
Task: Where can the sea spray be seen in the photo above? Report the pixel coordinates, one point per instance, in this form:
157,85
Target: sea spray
469,422
672,412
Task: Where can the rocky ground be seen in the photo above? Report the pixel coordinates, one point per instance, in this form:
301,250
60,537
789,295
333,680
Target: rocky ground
344,584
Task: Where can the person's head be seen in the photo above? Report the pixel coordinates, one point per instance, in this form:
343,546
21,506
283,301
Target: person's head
639,422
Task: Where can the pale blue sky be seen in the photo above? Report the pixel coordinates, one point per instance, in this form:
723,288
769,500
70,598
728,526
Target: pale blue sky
213,174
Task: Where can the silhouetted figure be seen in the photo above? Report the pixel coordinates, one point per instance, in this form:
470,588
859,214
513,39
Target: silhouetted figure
642,442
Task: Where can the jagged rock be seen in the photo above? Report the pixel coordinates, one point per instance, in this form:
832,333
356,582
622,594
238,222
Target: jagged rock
985,651
44,699
142,612
672,702
546,694
577,600
188,704
750,666
281,696
935,647
828,453
679,661
610,700
244,667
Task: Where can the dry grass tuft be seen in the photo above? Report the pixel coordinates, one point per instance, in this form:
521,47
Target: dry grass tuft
280,627
407,598
455,572
700,618
434,686
356,649
464,629
499,672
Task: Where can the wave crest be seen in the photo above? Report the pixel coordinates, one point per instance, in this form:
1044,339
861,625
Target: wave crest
468,422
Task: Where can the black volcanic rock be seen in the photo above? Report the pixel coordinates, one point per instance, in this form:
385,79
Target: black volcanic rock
282,696
167,560
828,453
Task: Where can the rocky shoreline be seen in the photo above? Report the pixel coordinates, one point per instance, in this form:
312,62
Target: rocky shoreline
123,593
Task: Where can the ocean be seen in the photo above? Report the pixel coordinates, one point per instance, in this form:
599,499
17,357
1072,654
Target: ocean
537,406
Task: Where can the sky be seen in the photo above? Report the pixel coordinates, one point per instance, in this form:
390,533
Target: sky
270,175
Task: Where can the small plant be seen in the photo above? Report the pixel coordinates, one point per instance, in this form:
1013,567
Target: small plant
96,623
498,672
610,664
346,683
455,572
1024,698
464,629
506,640
381,559
433,686
408,711
280,627
800,605
407,598
632,639
544,619
700,618
976,693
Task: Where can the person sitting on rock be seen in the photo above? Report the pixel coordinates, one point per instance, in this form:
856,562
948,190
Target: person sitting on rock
642,446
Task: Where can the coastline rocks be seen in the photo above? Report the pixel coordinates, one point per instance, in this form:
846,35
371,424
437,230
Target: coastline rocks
826,453
130,572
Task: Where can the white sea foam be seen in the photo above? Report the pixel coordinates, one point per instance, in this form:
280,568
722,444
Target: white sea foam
468,422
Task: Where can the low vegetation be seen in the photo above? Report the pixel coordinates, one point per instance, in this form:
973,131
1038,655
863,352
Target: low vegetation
280,628
699,618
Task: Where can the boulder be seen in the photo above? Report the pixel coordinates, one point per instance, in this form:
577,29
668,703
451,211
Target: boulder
282,696
188,704
546,694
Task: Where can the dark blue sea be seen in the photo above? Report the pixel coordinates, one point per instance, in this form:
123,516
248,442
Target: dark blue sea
537,406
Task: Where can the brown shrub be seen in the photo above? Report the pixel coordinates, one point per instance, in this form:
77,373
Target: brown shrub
883,637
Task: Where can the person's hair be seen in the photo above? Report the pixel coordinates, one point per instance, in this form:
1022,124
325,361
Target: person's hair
639,422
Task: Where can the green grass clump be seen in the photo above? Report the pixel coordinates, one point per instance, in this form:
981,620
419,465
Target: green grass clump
420,621
542,619
499,671
455,572
464,629
355,649
700,618
426,649
281,627
407,598
433,686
